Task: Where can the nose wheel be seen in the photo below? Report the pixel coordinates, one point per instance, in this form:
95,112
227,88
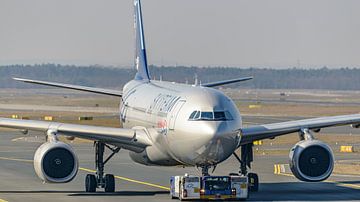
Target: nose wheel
99,180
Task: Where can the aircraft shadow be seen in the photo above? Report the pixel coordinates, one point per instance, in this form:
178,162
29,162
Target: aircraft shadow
351,182
305,191
122,193
39,192
83,193
280,191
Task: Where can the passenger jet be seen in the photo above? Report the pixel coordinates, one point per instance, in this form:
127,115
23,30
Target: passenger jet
170,124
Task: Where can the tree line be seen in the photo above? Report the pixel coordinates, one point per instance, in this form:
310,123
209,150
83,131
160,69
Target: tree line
264,78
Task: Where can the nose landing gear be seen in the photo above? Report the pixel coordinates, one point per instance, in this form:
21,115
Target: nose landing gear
205,170
99,180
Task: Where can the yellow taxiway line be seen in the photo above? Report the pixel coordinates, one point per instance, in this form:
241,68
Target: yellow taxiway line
16,139
130,180
93,171
285,174
14,159
2,200
278,172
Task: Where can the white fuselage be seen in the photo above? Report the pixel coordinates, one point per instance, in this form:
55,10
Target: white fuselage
164,108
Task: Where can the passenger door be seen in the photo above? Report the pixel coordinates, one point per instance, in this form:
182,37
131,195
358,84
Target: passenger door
174,113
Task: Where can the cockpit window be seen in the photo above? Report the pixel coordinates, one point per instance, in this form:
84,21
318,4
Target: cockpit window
219,116
210,116
193,115
207,115
228,115
197,115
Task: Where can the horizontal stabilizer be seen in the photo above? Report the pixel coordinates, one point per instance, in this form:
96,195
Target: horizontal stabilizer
73,87
220,83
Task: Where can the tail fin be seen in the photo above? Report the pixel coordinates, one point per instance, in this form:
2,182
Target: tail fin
140,54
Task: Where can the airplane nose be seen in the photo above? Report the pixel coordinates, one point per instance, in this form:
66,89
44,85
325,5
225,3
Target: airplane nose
220,142
219,130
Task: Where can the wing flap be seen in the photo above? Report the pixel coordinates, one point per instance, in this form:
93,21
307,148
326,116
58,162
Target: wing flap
132,137
73,87
265,131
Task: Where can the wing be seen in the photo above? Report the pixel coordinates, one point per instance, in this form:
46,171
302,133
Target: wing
265,131
73,87
220,83
131,139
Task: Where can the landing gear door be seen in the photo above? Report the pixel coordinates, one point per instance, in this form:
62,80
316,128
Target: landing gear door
174,113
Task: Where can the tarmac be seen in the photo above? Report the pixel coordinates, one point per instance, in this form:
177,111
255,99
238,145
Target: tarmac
135,182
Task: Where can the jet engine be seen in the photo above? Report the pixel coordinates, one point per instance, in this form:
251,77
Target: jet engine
311,160
56,162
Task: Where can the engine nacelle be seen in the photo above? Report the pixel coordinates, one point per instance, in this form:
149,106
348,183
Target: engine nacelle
311,160
56,162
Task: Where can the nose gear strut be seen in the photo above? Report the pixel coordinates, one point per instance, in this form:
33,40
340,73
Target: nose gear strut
205,170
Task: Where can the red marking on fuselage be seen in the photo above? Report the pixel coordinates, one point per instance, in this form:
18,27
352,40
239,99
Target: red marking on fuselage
162,124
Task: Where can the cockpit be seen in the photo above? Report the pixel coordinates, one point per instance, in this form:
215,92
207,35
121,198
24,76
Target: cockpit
210,116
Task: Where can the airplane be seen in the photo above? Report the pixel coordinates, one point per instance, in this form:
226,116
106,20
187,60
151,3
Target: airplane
170,124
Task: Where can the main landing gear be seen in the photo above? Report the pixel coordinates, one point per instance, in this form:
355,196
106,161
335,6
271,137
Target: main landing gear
205,170
245,163
99,180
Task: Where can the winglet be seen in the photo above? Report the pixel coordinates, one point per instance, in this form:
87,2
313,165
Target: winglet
140,54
